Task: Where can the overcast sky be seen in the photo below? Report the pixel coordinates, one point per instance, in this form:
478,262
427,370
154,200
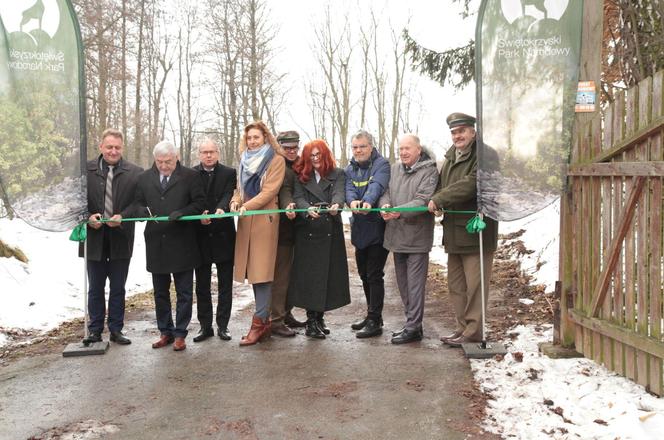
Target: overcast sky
436,24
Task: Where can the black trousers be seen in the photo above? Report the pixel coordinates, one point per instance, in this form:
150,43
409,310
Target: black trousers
370,264
116,272
224,294
184,285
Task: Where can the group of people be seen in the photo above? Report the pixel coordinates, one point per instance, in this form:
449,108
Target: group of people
289,243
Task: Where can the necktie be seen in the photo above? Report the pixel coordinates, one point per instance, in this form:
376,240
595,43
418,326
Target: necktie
164,182
108,193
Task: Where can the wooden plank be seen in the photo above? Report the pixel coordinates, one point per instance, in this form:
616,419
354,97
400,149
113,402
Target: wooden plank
642,254
658,95
618,357
630,294
585,249
645,98
654,169
608,128
624,224
656,292
597,348
633,138
656,370
618,292
607,227
578,339
618,130
587,343
631,111
619,333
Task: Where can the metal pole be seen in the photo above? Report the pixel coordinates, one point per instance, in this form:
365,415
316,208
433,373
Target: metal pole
482,285
85,285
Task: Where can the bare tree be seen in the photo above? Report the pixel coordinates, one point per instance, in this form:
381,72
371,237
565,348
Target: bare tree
334,53
245,85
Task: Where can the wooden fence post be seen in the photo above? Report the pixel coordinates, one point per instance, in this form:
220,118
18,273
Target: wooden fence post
590,70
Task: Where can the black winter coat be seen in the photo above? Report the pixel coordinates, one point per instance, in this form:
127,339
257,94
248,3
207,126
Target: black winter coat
319,277
171,246
286,225
216,241
121,238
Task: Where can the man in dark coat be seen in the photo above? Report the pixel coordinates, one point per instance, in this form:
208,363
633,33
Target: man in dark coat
367,177
457,191
216,241
169,189
111,189
281,313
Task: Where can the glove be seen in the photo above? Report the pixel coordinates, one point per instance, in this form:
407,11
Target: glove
174,215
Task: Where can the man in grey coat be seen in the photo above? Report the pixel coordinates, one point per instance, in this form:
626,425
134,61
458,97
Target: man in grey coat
409,235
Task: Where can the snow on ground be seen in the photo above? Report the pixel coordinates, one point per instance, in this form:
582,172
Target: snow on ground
49,288
543,398
535,398
540,397
541,236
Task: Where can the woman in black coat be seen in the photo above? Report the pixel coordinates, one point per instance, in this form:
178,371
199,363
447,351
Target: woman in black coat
319,278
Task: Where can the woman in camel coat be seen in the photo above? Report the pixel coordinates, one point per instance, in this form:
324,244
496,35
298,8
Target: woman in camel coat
261,173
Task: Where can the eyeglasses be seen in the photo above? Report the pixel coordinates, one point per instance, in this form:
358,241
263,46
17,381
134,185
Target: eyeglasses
358,147
290,148
315,155
205,153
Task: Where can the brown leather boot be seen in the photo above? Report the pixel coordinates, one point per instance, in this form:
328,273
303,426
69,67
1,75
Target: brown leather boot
259,330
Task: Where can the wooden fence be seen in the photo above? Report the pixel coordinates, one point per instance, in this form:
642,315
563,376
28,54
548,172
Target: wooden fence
611,237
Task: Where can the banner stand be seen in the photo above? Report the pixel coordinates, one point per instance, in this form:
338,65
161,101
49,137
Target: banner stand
482,350
85,348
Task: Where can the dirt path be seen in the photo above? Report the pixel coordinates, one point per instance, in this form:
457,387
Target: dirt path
339,388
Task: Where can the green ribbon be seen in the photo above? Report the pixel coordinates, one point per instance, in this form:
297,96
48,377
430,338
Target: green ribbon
79,232
475,225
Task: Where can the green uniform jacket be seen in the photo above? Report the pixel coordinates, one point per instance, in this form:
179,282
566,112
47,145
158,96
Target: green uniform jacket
457,191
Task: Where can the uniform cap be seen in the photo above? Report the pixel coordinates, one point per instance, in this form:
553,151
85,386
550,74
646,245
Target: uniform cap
289,138
460,119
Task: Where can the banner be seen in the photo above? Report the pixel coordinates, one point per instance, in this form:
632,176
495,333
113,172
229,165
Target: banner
527,58
42,113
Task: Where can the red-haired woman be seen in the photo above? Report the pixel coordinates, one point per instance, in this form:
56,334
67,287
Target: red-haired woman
262,169
319,278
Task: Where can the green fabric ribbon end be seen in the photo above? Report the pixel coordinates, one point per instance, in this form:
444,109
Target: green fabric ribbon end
475,225
79,233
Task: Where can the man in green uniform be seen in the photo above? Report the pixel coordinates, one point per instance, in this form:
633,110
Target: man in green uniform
457,191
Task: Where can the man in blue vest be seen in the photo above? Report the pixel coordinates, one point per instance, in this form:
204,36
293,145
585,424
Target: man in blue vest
367,177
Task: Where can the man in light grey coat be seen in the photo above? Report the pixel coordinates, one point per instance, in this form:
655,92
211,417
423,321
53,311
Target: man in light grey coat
409,235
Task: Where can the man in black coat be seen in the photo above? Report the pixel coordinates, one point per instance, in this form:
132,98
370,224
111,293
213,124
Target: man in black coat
111,188
216,241
170,189
281,314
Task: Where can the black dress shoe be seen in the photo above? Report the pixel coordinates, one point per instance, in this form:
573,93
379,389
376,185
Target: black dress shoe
398,332
291,322
203,335
92,337
119,338
224,334
359,325
371,329
313,330
322,326
407,336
